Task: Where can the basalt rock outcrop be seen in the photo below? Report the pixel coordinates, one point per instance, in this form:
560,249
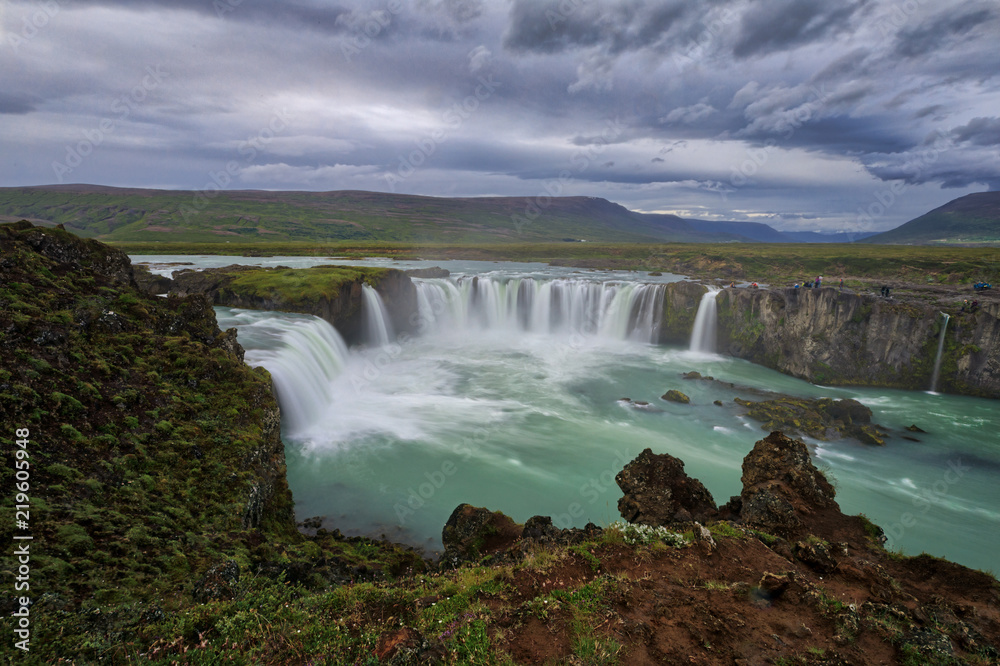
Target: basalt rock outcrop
831,337
333,293
472,532
782,489
659,492
822,418
781,574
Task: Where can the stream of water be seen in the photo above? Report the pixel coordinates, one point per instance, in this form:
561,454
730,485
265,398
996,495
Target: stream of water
510,398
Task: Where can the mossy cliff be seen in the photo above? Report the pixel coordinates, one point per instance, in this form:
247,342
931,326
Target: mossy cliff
836,338
148,432
333,293
155,463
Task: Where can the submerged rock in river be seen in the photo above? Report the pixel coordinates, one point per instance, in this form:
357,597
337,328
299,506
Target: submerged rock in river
675,396
824,418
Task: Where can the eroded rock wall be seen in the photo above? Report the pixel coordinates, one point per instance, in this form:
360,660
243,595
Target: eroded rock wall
831,337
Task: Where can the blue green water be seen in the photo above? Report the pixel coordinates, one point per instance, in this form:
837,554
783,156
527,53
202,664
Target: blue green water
524,416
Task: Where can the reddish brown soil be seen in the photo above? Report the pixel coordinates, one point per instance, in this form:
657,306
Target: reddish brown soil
698,605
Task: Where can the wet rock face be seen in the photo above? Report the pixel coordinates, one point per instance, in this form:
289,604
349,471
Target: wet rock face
472,532
835,338
659,492
780,484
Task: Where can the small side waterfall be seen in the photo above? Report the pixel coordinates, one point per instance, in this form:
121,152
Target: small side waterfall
620,311
940,353
308,356
703,334
377,325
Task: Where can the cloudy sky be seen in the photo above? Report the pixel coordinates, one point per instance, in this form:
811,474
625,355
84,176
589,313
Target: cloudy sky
841,115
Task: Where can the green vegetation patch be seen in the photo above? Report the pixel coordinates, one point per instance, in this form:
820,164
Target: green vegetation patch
302,285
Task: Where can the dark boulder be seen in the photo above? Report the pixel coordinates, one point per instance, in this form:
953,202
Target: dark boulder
472,533
675,396
817,554
541,530
781,485
849,411
659,492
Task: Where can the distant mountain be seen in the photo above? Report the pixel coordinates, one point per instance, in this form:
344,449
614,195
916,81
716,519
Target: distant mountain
820,237
763,233
139,215
116,214
974,218
751,231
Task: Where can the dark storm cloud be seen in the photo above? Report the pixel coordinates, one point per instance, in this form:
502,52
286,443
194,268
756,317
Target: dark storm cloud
940,31
320,16
552,26
844,134
934,110
460,11
16,104
692,90
979,131
949,176
849,65
777,25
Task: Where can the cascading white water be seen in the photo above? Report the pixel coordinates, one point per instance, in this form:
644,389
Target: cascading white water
304,357
703,334
613,310
940,352
521,421
377,325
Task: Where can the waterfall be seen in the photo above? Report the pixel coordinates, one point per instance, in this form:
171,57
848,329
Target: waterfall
940,352
612,310
308,356
703,335
377,325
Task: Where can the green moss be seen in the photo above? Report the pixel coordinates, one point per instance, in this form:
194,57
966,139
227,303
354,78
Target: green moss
725,530
301,285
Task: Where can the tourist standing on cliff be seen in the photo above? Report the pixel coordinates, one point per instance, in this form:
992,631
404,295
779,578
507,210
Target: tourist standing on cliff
819,281
842,284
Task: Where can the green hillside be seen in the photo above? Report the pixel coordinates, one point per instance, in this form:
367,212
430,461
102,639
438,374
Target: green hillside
974,218
134,215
